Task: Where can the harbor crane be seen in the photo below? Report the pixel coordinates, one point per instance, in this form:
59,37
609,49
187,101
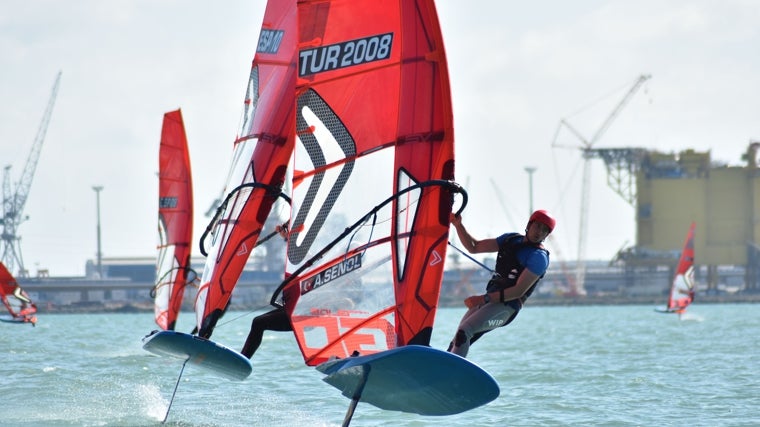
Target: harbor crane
14,199
588,154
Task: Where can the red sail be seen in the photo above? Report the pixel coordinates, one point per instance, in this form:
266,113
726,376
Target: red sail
682,289
374,157
16,300
175,221
260,157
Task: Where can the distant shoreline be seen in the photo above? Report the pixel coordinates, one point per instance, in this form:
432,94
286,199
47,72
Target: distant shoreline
536,301
643,300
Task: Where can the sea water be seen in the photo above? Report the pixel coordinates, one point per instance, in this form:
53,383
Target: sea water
581,365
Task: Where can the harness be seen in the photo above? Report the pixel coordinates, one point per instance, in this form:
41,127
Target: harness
508,266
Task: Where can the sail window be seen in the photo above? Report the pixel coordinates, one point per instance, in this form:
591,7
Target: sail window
406,210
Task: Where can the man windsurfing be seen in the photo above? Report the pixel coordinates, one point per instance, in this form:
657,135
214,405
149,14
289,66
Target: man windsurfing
521,262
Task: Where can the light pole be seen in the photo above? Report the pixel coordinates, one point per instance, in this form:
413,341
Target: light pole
530,170
97,189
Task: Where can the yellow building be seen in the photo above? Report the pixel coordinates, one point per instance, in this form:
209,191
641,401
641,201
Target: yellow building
670,190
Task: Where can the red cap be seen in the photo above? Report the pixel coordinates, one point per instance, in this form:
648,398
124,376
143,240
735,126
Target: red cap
544,218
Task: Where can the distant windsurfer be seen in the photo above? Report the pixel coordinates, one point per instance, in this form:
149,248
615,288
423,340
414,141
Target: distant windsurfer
28,308
681,308
688,292
521,262
21,296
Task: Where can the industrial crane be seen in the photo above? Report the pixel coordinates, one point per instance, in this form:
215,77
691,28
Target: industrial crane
588,154
15,199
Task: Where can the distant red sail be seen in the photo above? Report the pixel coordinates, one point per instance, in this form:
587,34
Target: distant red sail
682,290
260,157
370,198
175,221
15,300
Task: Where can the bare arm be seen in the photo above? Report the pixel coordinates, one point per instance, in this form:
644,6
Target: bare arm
524,282
470,243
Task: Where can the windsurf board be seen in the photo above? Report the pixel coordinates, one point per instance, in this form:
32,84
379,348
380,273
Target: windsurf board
199,351
414,379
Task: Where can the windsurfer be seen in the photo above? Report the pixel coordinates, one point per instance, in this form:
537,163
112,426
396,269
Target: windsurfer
521,262
681,307
688,292
274,320
21,296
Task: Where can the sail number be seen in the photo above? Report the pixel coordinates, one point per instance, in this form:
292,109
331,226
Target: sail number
370,336
270,41
167,202
346,54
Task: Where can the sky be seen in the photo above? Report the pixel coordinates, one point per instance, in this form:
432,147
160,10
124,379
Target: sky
516,69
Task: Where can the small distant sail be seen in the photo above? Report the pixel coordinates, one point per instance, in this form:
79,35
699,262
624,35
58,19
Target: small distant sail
20,307
682,290
175,222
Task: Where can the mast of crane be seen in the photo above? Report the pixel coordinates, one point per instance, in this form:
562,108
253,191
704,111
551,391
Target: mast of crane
586,180
14,201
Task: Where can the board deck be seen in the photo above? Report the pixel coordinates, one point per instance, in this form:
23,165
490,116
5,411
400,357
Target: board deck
199,351
414,379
